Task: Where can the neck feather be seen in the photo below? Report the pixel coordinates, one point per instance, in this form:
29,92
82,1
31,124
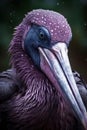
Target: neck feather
19,60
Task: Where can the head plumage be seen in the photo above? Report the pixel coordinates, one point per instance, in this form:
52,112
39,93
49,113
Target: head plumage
53,21
56,24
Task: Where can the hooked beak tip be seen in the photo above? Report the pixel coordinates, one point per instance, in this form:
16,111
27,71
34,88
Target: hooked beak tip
84,121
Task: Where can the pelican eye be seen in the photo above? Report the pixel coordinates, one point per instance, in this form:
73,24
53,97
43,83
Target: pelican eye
41,35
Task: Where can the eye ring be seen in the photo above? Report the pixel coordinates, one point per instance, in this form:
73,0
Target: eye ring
41,35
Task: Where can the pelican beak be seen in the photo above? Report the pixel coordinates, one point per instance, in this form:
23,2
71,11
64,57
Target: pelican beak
55,64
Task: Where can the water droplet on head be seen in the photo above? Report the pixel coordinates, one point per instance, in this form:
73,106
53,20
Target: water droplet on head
36,18
45,19
51,30
57,26
52,34
37,14
63,21
66,27
65,32
50,23
44,22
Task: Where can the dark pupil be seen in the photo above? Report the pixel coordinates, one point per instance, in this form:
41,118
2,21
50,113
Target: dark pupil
41,35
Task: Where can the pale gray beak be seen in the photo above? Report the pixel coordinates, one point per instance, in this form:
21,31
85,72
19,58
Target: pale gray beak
61,76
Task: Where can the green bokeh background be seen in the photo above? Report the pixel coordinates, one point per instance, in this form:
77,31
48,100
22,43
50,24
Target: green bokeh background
13,11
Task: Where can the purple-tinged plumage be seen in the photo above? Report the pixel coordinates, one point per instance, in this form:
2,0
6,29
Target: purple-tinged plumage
41,103
54,22
38,108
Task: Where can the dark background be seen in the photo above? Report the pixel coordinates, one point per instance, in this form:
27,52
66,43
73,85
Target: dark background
13,11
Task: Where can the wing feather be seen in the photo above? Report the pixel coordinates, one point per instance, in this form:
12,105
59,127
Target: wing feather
9,84
82,86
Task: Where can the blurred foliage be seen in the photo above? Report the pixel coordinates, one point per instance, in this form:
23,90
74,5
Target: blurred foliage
13,11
